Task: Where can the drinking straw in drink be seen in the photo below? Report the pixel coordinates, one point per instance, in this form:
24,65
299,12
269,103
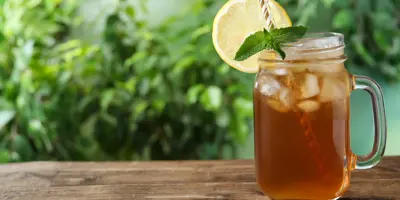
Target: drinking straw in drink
304,121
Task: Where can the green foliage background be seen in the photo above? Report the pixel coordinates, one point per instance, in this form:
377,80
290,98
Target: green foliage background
143,92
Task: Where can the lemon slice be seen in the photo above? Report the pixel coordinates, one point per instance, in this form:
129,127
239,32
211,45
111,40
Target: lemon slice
238,19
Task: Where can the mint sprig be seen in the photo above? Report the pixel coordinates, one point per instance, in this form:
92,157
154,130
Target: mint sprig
266,40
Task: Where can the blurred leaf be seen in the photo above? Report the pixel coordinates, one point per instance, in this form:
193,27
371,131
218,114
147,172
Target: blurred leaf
328,3
194,93
223,119
211,98
4,156
158,105
383,20
37,132
5,104
166,146
307,11
69,45
21,145
143,6
130,11
5,117
32,3
85,101
381,39
395,50
344,19
135,58
130,85
88,126
362,51
111,120
184,63
51,4
201,31
239,129
244,106
138,108
223,69
146,153
23,56
144,86
389,70
106,98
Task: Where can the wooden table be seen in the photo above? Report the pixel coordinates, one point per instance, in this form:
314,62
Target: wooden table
166,180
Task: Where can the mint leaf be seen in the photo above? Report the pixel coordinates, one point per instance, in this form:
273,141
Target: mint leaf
278,49
251,45
289,34
264,40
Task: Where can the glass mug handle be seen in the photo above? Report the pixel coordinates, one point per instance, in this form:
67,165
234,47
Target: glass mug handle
369,85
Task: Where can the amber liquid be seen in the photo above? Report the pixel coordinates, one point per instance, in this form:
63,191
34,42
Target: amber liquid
301,155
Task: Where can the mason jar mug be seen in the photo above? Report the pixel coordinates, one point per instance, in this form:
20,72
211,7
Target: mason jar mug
301,120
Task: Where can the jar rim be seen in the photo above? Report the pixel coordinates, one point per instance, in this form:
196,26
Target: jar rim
328,39
326,46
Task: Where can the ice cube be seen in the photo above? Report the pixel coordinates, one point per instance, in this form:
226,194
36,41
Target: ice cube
277,105
280,71
285,80
284,101
276,71
286,97
307,85
332,89
268,85
308,106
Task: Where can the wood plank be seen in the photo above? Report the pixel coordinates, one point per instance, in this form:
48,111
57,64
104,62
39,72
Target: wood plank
233,179
228,190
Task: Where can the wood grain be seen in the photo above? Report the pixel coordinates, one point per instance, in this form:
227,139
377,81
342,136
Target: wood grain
233,179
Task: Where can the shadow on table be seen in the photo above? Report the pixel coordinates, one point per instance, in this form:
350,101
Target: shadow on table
368,198
258,191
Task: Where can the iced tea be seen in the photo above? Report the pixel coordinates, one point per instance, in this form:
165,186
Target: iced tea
301,128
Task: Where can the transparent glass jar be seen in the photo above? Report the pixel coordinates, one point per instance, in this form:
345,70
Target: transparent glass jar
301,120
